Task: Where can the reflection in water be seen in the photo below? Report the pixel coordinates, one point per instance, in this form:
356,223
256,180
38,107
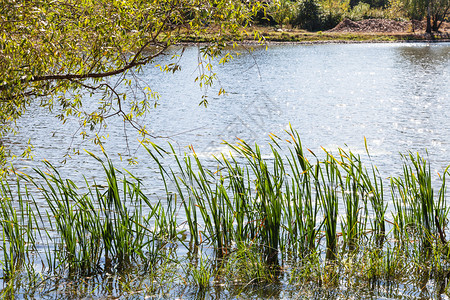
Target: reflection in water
428,57
422,77
428,69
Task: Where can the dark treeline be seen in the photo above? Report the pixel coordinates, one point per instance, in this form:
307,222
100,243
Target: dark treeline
316,15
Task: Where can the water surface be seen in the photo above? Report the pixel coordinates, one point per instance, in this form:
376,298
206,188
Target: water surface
395,95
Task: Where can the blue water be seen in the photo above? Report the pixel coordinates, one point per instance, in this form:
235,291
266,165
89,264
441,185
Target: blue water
396,95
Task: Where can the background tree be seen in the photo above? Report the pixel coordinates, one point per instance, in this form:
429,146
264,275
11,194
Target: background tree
308,15
282,11
439,11
64,53
435,12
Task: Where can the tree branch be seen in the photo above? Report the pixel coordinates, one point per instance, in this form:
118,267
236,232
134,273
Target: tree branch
134,63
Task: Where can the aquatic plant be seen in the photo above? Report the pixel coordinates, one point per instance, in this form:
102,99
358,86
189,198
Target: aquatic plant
250,218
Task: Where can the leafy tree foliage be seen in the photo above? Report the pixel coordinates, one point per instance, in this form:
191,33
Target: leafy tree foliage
415,9
309,15
282,11
64,53
439,11
306,14
435,11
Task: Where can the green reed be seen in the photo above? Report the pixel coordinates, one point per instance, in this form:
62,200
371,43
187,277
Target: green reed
373,189
100,229
252,215
328,183
70,212
302,206
356,190
18,223
276,203
184,180
200,272
268,199
241,203
418,212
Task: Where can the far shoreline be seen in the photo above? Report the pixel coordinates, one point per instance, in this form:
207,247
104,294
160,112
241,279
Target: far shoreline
322,42
338,35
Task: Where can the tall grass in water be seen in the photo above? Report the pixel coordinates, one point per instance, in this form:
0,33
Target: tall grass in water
316,214
327,186
285,202
18,223
373,191
418,213
302,205
71,214
268,197
101,229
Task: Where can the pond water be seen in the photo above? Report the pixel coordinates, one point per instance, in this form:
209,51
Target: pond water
395,95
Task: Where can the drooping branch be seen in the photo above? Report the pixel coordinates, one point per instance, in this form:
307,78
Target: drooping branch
60,52
132,64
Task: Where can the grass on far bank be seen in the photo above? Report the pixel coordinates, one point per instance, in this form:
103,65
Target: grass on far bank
292,35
